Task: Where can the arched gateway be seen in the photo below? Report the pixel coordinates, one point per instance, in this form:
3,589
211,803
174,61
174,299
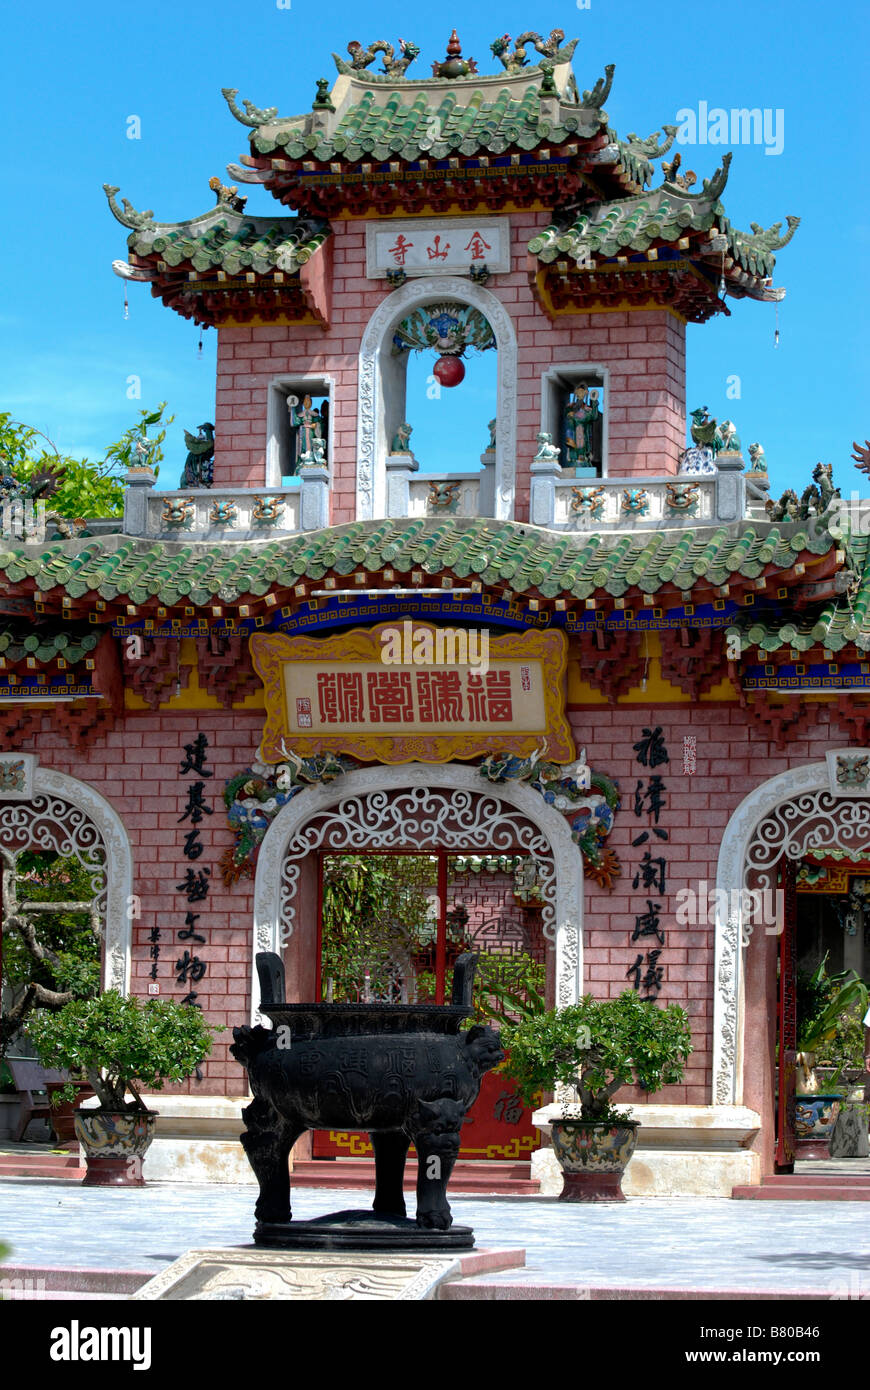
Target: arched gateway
62,814
421,807
792,813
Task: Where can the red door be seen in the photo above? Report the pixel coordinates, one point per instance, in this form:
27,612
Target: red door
391,927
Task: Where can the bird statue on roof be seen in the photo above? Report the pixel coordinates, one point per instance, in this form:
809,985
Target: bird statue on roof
198,466
705,432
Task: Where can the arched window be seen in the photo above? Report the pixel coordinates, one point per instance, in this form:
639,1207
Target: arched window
384,404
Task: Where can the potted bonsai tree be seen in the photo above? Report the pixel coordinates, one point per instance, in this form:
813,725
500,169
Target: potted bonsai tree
120,1044
592,1048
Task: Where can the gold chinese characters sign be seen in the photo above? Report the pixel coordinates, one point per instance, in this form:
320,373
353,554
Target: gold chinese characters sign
399,692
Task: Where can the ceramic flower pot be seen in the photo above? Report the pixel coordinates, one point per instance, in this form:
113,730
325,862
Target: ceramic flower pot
815,1117
63,1115
593,1158
114,1143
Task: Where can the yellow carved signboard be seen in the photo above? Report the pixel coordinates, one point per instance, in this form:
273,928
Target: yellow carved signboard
399,692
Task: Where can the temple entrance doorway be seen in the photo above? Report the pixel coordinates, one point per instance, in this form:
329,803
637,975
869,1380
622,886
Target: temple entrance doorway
391,925
824,947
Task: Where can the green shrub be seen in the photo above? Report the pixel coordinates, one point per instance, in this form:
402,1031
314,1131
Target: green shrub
122,1043
596,1046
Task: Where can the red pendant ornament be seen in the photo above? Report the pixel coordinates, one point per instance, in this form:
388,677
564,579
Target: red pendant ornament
449,370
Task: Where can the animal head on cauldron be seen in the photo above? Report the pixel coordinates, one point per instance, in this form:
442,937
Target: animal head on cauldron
250,1042
440,1117
484,1047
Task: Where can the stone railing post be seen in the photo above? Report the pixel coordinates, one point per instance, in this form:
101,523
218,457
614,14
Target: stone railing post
545,470
486,491
137,483
313,496
399,470
730,488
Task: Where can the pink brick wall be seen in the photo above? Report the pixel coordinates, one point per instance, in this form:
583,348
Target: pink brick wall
136,769
733,758
644,351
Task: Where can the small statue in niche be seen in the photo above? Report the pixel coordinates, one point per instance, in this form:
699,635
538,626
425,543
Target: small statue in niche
307,424
581,416
400,444
547,450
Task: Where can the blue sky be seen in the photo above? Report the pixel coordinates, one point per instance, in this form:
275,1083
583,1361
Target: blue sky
79,72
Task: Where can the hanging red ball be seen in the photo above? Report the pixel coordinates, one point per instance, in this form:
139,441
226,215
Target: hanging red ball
449,370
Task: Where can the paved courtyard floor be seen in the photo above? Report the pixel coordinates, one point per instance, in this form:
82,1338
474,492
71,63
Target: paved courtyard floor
784,1249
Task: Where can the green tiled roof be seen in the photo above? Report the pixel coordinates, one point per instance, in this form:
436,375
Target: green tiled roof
843,622
44,644
222,239
523,559
487,119
623,225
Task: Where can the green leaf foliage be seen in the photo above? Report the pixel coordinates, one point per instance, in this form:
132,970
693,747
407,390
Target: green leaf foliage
823,1000
85,488
596,1046
122,1043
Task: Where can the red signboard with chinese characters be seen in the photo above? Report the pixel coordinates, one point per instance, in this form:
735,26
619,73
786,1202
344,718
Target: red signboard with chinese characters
412,691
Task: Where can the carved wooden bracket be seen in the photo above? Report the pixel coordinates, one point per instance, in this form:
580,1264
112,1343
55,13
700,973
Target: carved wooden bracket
225,670
155,673
612,662
693,658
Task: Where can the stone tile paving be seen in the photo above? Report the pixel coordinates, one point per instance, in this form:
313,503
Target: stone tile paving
668,1243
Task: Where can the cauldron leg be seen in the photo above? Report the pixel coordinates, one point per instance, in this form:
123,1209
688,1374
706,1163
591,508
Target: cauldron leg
391,1150
437,1152
267,1141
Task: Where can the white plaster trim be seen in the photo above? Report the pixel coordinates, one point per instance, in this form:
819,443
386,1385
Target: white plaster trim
119,866
728,1002
373,426
567,859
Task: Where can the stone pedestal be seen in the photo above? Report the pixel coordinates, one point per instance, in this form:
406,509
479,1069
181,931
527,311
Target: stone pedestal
314,497
245,1274
400,467
486,493
543,493
730,488
137,482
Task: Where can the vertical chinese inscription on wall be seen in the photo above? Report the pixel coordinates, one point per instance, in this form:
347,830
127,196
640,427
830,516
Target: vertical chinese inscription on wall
648,937
190,968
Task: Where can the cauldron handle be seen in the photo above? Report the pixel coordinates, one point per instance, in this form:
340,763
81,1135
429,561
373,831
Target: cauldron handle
270,970
463,979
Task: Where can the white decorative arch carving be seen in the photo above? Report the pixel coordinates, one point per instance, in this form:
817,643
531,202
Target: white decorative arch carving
69,816
378,372
452,807
789,814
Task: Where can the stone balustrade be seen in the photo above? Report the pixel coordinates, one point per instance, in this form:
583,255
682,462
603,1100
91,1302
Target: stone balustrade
559,500
238,514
